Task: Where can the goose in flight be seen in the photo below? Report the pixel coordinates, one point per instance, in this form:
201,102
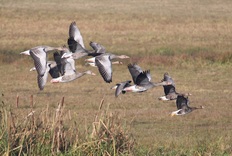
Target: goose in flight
74,37
98,50
169,90
52,69
182,104
70,73
76,43
103,61
120,87
42,48
42,66
141,79
55,66
104,65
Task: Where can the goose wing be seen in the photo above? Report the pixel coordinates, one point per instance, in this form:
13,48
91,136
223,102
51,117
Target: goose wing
121,86
54,71
169,89
57,58
40,60
75,34
182,102
42,79
168,78
134,70
105,67
68,66
98,48
143,78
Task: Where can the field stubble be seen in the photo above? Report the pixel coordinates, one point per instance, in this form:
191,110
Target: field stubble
189,40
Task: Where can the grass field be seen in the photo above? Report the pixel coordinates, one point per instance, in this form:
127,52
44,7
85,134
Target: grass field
189,39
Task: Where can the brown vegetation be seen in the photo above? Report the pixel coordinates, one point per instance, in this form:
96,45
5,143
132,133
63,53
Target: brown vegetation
189,39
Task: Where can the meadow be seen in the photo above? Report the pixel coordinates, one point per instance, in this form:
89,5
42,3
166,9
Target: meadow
191,40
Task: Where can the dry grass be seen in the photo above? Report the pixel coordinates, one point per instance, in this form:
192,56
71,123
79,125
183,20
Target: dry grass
188,39
51,132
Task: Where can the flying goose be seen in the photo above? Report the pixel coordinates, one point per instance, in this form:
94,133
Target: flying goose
182,104
39,56
74,37
70,73
52,69
169,90
104,64
98,50
103,60
93,64
76,43
141,79
120,87
44,47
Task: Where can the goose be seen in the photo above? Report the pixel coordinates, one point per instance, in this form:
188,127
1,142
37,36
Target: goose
44,47
57,59
39,55
98,50
104,65
103,61
55,66
42,66
42,79
141,79
120,87
70,72
169,90
74,37
76,43
52,69
93,64
182,104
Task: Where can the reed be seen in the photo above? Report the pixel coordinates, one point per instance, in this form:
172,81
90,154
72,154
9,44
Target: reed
47,133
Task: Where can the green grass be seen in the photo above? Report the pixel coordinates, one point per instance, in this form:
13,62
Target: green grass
189,39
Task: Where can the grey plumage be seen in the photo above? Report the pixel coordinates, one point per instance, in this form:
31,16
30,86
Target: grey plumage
182,104
69,70
141,79
120,87
169,90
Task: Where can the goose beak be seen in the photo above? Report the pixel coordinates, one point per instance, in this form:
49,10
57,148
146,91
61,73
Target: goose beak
33,69
93,73
67,55
173,114
25,52
114,87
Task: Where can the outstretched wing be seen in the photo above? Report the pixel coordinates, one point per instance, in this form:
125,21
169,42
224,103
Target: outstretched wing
134,70
68,66
42,79
75,34
98,48
105,67
40,60
182,102
57,58
143,78
168,89
121,86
